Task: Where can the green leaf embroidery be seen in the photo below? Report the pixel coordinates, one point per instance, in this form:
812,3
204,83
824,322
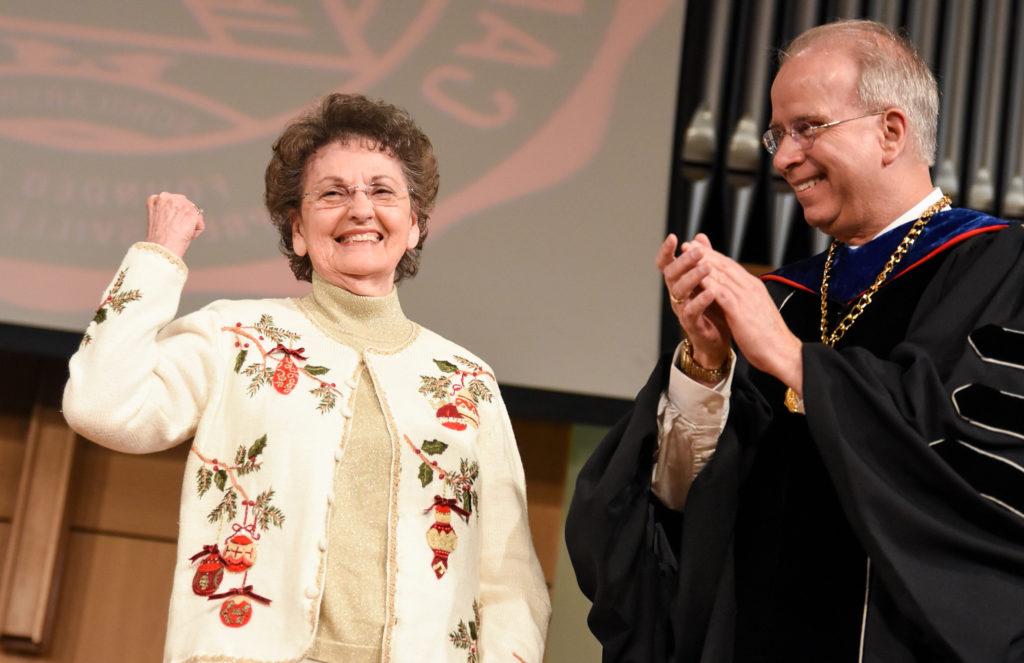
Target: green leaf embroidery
315,370
433,447
426,474
446,366
204,478
467,502
240,455
479,391
220,479
436,388
471,365
101,315
257,447
227,508
240,359
327,397
266,327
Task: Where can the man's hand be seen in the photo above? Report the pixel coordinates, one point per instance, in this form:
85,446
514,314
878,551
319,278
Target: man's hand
755,322
701,320
174,221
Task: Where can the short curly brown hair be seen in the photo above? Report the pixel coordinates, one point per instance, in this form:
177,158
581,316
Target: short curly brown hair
346,118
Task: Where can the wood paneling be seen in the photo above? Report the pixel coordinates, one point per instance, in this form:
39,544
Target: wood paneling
17,394
544,447
114,602
118,493
32,564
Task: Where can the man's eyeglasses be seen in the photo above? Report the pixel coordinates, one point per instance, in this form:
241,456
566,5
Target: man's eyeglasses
802,133
340,195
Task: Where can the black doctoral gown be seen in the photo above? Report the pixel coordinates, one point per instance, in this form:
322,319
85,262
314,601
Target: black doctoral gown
885,525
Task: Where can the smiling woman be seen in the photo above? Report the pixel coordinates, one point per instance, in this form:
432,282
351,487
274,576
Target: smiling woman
341,452
355,224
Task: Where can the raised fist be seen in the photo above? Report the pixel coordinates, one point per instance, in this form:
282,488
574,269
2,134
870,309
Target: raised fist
174,221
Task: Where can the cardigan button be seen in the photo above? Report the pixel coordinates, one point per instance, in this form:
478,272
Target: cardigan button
346,412
312,592
330,499
322,545
338,455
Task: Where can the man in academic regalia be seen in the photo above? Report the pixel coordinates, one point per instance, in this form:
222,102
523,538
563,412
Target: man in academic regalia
849,484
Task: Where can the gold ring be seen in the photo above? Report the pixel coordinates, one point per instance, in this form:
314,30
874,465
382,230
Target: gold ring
674,300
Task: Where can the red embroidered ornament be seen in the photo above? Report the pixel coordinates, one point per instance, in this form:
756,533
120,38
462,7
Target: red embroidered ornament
450,417
235,612
239,553
441,537
467,408
208,576
286,376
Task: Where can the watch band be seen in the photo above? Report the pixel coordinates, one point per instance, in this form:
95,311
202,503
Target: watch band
693,370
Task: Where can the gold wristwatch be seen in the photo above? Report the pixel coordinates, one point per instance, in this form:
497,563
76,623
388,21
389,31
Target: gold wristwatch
692,369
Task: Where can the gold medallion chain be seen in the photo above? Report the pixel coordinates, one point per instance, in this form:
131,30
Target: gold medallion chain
792,401
862,302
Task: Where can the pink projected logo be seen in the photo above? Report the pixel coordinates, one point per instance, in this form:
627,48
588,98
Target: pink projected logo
104,105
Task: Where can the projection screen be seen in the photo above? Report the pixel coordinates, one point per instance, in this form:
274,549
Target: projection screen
552,120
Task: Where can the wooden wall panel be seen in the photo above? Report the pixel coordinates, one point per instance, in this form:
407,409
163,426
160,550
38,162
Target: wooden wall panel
544,447
113,602
17,394
116,493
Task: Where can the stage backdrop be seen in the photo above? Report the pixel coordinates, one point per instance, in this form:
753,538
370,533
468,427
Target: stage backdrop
552,120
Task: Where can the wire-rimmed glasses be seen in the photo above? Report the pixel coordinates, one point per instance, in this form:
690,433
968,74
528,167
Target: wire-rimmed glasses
333,196
802,132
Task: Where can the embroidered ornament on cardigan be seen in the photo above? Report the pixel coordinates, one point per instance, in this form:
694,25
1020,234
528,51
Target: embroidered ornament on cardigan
456,393
277,364
210,571
239,552
115,300
465,636
458,494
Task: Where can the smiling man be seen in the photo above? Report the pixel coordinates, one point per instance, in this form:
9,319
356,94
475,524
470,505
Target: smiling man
848,485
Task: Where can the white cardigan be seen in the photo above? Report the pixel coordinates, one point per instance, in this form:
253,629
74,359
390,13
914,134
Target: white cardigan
267,396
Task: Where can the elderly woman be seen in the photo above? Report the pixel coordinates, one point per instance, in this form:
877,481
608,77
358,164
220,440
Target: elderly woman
353,490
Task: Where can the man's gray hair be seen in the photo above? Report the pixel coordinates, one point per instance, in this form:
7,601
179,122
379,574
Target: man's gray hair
892,74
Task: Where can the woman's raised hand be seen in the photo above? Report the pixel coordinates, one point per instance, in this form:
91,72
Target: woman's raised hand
174,221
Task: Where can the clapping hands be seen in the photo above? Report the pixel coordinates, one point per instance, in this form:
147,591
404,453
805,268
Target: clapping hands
717,301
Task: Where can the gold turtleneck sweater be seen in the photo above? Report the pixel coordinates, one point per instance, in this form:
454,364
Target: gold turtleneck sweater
352,611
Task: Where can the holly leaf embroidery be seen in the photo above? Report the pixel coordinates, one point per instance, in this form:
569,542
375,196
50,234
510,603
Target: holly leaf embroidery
240,359
257,447
446,366
204,478
101,315
433,447
240,455
220,478
315,370
426,474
